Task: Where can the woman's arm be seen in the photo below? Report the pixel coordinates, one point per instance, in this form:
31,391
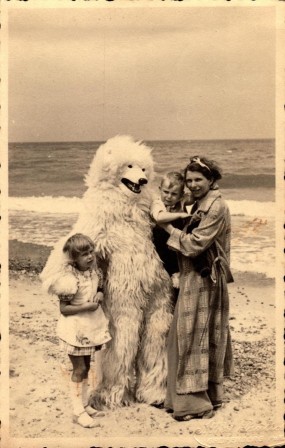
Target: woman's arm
193,244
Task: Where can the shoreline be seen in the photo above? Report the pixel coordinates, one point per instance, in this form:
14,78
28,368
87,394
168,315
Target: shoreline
27,257
31,258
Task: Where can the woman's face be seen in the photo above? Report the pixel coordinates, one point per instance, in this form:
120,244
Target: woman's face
197,183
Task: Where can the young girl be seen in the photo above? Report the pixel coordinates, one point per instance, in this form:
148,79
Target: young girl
82,326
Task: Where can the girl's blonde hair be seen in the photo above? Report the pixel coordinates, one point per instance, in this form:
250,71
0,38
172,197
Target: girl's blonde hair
77,244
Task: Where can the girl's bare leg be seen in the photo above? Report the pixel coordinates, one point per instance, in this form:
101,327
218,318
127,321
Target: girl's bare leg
79,375
86,394
80,369
85,385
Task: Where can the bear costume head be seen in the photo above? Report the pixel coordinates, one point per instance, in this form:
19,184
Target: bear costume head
121,162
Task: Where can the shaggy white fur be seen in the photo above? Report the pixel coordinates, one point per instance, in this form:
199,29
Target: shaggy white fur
137,288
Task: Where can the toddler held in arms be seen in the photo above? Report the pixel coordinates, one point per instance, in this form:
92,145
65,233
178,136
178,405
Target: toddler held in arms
170,207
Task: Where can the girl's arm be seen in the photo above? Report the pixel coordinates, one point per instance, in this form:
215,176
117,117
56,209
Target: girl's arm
98,298
68,310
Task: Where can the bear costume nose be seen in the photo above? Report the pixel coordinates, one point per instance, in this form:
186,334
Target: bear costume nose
142,181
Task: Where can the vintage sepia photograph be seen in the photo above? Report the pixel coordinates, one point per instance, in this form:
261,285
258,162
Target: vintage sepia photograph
142,294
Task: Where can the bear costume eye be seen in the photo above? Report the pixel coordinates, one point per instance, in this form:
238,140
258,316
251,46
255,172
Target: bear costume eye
130,166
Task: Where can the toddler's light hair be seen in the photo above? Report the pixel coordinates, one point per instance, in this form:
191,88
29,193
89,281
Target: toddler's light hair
76,245
173,178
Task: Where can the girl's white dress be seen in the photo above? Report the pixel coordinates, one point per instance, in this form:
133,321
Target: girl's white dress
86,328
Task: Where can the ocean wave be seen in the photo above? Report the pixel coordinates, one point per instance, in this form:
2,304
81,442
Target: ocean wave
247,180
46,204
252,208
45,220
64,205
237,180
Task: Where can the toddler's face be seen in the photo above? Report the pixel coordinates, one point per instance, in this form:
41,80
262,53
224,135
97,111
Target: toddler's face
170,195
85,259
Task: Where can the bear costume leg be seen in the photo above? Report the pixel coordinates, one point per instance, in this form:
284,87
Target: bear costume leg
138,347
152,356
116,387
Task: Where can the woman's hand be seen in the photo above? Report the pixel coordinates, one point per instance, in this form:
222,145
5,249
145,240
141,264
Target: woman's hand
167,227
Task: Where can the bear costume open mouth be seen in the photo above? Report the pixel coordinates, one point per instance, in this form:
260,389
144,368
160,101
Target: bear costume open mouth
135,188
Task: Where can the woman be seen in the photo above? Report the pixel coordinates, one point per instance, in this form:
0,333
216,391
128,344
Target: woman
199,345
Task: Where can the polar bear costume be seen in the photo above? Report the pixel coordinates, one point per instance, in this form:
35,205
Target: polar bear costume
137,294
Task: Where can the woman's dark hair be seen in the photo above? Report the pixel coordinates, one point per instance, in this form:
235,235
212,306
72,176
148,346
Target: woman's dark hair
77,244
207,167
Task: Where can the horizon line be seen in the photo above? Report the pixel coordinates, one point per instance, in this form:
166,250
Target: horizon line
144,140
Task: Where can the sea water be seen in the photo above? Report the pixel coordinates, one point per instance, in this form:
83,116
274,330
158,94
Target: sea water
46,184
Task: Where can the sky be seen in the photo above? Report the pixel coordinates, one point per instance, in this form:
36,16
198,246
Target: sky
154,73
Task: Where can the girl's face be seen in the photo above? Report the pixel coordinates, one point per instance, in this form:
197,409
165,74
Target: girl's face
197,183
85,259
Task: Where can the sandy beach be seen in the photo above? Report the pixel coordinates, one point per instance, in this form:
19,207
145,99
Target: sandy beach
39,399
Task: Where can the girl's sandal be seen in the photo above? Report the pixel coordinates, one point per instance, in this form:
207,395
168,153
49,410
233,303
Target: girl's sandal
85,420
93,412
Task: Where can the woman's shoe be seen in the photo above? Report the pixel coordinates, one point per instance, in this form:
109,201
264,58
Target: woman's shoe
188,417
217,405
